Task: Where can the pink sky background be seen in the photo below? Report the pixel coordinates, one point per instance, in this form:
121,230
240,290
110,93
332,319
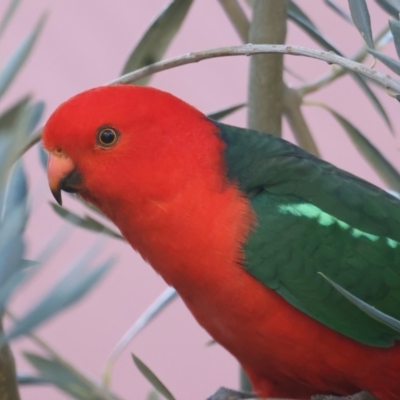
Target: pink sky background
85,44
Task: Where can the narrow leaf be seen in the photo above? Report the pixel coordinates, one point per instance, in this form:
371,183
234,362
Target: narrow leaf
395,29
153,395
390,6
372,97
10,117
339,11
67,291
217,115
86,222
152,378
372,312
43,156
17,60
159,304
362,21
67,379
304,22
27,379
37,110
158,37
391,63
8,15
371,154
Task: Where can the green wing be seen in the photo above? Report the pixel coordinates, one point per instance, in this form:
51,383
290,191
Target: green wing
313,217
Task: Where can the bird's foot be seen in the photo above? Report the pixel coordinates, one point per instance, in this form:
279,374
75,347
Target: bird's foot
228,394
358,396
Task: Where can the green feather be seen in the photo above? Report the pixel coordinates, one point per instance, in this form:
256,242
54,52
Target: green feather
314,218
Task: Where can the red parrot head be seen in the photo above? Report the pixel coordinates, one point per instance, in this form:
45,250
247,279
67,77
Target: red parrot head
118,144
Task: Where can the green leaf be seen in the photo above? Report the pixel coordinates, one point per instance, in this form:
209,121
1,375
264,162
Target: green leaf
395,29
10,117
66,378
304,22
17,60
390,6
153,395
27,379
339,11
372,97
157,38
371,154
86,222
152,378
67,291
155,308
8,15
391,63
362,21
372,312
220,114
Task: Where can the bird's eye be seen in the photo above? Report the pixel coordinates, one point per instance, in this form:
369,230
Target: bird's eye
107,137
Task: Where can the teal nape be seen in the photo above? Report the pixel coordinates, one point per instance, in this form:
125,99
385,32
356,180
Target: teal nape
315,218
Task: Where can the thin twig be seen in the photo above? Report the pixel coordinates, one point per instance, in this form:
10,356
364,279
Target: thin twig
336,72
248,50
252,49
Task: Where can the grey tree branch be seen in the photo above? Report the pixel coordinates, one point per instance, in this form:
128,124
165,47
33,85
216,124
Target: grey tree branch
265,95
384,80
251,49
337,72
8,381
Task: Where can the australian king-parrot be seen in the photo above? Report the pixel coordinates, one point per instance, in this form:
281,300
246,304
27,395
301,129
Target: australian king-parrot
241,224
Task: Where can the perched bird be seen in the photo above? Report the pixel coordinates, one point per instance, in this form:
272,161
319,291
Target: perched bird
241,224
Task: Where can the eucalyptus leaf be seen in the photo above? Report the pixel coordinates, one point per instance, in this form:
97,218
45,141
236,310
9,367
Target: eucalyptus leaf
395,29
390,6
372,97
372,312
11,273
338,10
297,12
66,378
220,114
157,38
67,291
8,15
86,222
37,110
304,22
15,191
158,305
153,395
43,156
371,154
10,117
391,63
362,21
28,379
152,378
152,311
18,58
